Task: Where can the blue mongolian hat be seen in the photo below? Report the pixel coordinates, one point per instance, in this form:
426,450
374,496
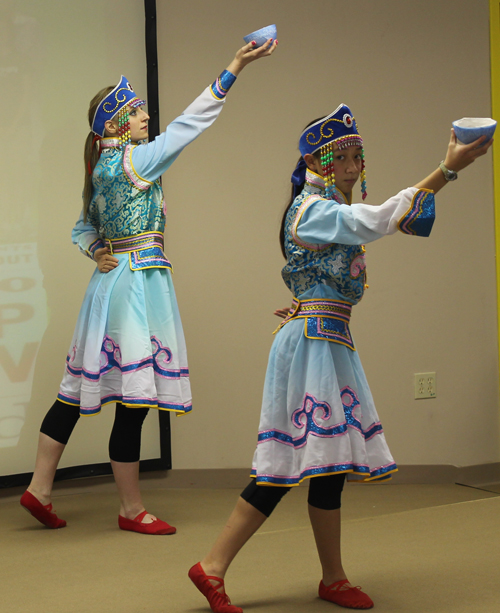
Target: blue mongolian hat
337,128
115,102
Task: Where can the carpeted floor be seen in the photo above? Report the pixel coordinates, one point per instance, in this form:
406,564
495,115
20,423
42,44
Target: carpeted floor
413,548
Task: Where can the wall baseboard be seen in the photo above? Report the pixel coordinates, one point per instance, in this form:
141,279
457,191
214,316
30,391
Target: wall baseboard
446,473
479,475
238,478
208,478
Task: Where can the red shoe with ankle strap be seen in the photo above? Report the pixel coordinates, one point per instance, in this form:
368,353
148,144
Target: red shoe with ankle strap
41,511
219,601
345,595
157,526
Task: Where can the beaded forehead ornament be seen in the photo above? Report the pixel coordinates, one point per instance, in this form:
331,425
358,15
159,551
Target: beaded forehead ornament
116,102
337,128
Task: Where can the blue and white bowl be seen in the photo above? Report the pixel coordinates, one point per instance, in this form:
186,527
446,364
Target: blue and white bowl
261,36
469,129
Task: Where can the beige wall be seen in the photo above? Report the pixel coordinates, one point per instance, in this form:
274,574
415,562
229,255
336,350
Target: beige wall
407,69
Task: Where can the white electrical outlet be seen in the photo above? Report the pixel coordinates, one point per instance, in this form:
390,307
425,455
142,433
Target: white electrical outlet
425,385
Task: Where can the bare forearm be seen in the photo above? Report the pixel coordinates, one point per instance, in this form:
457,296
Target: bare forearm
235,67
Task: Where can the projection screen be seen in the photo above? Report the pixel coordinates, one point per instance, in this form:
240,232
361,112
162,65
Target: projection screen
54,57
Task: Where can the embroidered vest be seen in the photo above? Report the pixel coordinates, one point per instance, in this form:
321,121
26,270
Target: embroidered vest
123,204
341,267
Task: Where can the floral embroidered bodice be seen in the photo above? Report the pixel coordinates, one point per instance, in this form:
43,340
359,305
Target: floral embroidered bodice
340,267
122,204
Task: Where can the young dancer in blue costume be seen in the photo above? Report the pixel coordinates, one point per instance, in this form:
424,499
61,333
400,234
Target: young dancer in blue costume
128,346
318,419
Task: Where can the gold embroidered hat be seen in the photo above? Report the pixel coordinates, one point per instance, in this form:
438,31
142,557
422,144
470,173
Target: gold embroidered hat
338,128
122,96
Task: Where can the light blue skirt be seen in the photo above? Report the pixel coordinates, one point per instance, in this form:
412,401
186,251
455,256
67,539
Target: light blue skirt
318,416
128,344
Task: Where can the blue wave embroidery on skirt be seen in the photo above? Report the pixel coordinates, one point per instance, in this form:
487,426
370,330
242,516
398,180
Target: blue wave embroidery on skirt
111,360
350,403
306,417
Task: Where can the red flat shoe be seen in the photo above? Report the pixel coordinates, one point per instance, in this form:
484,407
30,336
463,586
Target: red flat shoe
155,527
41,512
345,595
219,601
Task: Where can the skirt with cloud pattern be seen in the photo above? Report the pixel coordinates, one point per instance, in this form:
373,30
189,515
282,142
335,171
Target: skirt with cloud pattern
128,345
318,416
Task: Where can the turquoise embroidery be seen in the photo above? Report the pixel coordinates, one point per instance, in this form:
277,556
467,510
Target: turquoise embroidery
119,208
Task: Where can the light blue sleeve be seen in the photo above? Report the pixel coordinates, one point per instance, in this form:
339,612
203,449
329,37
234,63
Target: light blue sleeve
150,161
322,221
85,236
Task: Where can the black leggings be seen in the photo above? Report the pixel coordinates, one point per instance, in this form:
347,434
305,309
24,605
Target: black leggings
125,439
324,493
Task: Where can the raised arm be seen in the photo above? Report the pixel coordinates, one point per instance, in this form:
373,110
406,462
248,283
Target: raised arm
320,222
412,211
150,161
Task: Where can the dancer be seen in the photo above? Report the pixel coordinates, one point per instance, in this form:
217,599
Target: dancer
318,419
128,346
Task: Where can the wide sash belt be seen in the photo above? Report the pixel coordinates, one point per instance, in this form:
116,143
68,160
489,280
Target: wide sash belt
145,250
325,319
135,243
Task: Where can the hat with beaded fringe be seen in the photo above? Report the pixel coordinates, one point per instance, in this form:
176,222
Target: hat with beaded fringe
338,128
118,102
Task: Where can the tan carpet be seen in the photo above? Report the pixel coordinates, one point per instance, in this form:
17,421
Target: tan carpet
413,548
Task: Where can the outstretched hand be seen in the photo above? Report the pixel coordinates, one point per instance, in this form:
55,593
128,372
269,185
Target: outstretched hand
459,156
104,260
249,53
